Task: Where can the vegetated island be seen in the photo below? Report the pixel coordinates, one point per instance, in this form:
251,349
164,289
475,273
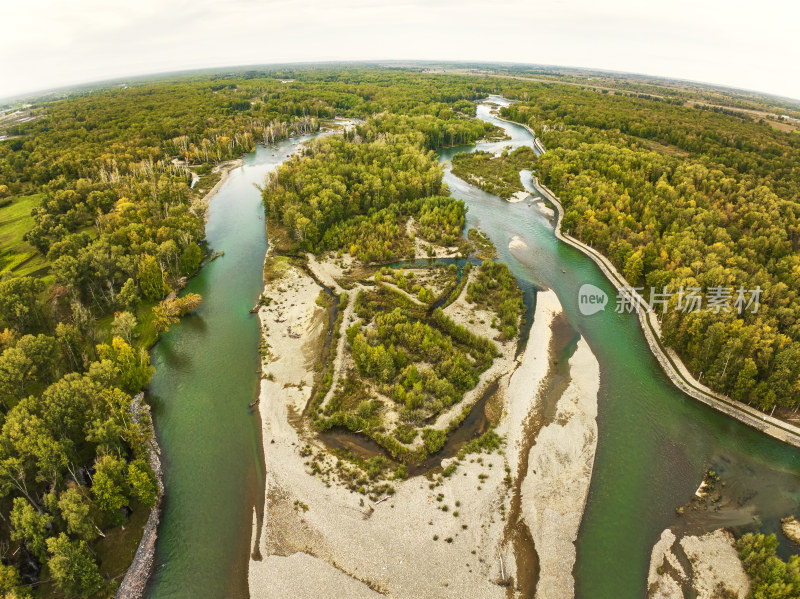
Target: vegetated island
499,175
396,411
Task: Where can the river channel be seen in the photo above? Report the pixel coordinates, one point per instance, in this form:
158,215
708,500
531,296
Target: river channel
654,441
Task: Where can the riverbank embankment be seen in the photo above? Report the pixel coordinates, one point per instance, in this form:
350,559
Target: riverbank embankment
670,362
138,574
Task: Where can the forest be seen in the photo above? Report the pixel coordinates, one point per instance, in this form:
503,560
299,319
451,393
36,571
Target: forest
772,578
355,196
103,220
683,199
100,204
356,193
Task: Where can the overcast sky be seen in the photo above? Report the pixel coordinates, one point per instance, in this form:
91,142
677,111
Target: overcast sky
51,43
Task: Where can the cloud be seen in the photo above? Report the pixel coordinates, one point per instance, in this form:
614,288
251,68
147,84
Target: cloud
48,43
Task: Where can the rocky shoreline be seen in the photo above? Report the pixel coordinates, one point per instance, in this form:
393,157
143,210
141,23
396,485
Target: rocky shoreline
705,566
791,528
136,578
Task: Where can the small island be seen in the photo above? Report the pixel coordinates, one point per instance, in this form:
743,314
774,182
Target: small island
499,175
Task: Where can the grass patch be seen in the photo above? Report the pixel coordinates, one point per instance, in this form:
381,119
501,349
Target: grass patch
489,441
16,254
116,551
484,248
275,267
279,238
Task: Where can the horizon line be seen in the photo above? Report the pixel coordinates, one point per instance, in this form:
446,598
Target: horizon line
152,76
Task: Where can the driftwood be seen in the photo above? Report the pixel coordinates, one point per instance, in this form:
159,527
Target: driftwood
505,580
371,508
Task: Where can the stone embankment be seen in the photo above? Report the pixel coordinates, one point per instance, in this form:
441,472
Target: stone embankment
138,574
672,365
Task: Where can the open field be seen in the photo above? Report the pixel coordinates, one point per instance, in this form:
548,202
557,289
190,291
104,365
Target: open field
17,255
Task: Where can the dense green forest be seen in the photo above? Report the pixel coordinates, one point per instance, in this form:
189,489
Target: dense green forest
498,175
356,192
355,196
101,221
684,198
772,578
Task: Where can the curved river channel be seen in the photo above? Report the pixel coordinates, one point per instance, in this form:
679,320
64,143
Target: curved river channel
654,441
206,377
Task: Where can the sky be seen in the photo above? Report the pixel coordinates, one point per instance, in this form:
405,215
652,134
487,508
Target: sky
46,44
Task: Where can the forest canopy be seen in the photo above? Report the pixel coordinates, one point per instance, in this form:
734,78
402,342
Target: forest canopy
681,198
102,220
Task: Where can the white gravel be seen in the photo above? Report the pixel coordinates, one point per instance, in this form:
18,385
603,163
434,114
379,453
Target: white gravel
559,472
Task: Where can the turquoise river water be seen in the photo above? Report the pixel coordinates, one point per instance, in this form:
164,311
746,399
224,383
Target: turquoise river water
654,442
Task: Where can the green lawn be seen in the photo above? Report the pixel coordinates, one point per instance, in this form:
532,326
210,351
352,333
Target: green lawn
17,255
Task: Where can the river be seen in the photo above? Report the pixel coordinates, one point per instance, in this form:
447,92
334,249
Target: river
654,442
206,376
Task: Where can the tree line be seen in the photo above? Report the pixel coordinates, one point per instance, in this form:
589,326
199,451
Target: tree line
681,199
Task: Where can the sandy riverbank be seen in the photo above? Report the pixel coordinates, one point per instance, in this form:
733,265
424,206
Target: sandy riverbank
559,472
320,539
522,389
224,168
706,566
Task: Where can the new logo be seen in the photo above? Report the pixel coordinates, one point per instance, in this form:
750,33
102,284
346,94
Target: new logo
591,299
